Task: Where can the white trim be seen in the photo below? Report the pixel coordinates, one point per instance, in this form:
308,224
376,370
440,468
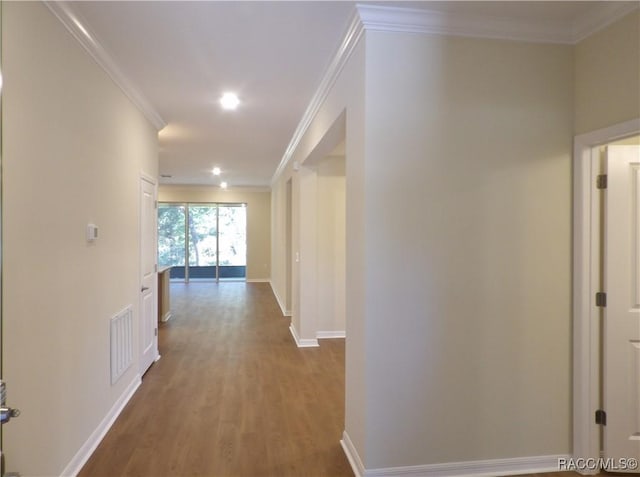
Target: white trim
258,280
302,343
352,455
144,177
150,179
322,335
586,377
407,20
82,456
284,311
477,468
434,22
79,29
431,21
330,76
601,16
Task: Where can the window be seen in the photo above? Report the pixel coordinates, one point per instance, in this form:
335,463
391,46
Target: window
213,236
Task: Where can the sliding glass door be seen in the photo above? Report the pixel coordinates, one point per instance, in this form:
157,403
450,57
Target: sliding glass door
232,240
172,243
203,241
213,236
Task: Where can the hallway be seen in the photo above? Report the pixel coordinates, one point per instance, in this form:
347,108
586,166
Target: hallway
231,395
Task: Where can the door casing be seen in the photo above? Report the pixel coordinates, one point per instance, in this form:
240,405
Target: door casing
586,282
143,361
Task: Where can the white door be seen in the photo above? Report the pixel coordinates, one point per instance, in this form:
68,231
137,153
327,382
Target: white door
622,312
149,280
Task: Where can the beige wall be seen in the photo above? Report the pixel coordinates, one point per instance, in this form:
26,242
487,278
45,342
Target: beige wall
607,75
258,219
279,250
331,244
305,303
457,260
468,220
74,148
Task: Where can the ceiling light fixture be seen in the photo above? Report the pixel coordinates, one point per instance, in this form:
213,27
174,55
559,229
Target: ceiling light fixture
223,185
229,101
216,171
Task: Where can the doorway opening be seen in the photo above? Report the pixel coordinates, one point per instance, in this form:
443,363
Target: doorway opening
593,269
203,241
318,266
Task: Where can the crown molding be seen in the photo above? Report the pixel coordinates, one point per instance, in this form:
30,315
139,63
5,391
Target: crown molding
341,56
601,17
407,20
426,21
79,30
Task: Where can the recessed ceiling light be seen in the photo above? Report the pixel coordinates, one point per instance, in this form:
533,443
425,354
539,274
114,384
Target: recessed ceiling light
223,185
216,171
229,101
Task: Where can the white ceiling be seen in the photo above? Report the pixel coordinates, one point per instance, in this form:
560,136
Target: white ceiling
181,56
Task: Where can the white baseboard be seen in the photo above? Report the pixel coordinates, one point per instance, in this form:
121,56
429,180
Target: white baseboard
166,317
82,456
308,343
478,468
352,455
283,309
322,335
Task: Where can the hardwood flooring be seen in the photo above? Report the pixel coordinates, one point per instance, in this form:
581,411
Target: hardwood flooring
231,396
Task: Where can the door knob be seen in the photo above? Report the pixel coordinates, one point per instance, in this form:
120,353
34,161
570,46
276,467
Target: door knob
6,413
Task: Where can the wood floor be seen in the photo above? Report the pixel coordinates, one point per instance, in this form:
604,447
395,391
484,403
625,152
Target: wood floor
232,396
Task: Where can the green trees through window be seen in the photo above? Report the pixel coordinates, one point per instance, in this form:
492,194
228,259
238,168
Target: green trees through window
171,237
203,235
212,236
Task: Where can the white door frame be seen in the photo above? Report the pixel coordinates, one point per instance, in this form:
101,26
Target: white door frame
586,278
153,181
